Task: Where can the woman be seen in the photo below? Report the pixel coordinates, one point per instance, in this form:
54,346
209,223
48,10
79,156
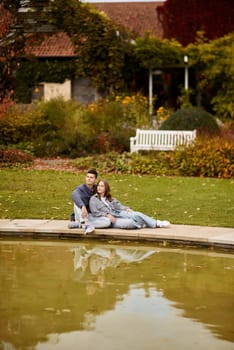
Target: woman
103,204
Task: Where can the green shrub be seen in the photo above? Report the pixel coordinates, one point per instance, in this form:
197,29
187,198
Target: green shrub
51,127
114,120
17,124
111,162
154,163
191,118
105,120
65,128
134,108
107,125
208,157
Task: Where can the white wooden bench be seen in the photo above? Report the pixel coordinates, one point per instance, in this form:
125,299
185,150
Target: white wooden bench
160,140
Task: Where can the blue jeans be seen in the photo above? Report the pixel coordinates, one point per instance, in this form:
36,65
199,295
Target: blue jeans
97,222
140,219
125,223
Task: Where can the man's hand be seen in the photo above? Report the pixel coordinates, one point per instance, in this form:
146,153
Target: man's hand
84,212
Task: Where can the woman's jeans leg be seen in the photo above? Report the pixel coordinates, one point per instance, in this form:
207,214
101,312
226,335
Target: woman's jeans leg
125,223
143,220
139,218
97,222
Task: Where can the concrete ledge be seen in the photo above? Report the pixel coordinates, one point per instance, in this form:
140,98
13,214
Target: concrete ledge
175,234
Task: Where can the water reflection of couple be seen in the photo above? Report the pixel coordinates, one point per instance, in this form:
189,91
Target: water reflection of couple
94,207
97,259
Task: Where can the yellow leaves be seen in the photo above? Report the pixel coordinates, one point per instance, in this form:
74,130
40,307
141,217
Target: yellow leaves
134,107
132,100
93,107
162,113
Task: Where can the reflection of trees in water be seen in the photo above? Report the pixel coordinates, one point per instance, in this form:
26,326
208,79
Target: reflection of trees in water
204,290
39,297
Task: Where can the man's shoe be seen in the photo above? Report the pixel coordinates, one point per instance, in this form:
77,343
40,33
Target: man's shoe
163,223
74,224
88,229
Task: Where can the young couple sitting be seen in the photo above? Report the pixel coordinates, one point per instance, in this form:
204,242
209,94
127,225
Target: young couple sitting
94,207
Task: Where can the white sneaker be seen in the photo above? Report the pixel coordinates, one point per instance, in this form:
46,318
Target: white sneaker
163,223
89,229
74,224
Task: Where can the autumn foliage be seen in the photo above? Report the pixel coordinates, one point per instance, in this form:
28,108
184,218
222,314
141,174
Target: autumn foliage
183,19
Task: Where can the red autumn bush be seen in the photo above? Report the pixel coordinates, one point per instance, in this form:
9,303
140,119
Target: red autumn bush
12,157
212,157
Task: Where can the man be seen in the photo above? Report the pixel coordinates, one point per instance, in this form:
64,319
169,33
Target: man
81,196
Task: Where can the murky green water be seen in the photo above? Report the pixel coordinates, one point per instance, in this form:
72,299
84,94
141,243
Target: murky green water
63,295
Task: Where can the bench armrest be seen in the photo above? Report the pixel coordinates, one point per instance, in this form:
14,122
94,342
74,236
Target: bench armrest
132,143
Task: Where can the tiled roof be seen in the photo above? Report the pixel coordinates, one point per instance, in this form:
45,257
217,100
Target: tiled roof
56,45
138,17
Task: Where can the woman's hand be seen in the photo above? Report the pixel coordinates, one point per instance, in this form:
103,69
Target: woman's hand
111,218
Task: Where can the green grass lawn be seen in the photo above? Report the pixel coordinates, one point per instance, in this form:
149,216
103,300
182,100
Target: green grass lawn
35,194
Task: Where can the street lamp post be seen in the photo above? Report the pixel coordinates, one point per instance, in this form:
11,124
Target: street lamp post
186,73
151,74
150,93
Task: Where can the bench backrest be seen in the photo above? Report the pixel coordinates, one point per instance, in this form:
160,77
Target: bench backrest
163,140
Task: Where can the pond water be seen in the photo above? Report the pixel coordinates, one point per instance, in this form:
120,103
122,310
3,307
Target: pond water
106,296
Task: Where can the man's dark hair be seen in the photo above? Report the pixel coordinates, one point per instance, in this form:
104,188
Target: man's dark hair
92,171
